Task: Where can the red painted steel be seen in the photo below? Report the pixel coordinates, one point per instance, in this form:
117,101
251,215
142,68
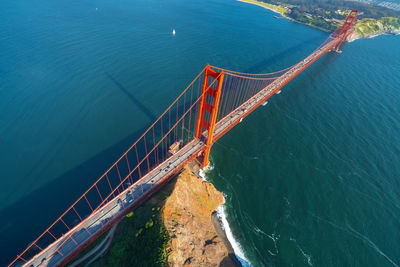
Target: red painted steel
212,108
346,28
215,100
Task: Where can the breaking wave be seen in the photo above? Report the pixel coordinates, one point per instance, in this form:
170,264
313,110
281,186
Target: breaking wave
237,248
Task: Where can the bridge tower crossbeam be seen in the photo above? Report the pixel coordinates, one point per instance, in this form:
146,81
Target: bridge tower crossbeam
226,98
209,103
346,28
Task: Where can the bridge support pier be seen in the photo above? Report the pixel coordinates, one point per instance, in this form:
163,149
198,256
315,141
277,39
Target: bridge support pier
209,103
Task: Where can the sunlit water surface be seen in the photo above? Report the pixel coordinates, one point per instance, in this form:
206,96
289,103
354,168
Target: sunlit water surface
311,179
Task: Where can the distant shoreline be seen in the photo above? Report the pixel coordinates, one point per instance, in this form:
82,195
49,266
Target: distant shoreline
279,10
266,6
359,32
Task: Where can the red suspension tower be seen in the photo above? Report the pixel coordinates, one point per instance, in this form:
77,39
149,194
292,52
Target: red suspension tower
346,28
209,103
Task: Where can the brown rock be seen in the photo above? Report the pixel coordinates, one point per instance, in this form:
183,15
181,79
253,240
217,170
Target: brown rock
187,217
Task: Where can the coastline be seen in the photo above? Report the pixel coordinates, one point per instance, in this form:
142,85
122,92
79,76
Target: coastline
221,224
264,5
355,36
180,224
220,216
183,223
277,9
190,215
352,37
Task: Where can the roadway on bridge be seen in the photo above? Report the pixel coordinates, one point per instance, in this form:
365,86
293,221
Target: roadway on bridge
100,218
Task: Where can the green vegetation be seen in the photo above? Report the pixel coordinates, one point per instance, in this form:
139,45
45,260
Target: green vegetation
317,22
368,27
141,240
327,14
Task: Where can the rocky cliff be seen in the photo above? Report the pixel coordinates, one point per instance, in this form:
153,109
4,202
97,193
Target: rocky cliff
177,226
187,216
366,28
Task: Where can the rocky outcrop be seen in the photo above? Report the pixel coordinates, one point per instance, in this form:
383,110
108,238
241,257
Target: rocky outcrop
187,216
177,226
367,28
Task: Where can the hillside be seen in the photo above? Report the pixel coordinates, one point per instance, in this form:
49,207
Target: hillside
371,27
326,15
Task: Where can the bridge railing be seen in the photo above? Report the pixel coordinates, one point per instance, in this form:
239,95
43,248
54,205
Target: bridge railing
175,127
239,87
172,130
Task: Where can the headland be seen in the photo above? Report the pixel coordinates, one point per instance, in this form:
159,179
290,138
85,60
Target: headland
328,17
177,226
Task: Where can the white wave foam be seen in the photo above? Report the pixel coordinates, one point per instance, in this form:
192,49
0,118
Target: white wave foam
258,231
305,255
221,213
373,36
203,172
237,248
274,237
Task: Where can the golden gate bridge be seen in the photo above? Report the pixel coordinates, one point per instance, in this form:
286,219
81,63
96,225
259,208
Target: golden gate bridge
214,102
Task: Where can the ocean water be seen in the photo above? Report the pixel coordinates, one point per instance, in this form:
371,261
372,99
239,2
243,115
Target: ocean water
310,179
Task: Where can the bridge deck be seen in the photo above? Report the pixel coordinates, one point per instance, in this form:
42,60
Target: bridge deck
247,107
99,219
125,200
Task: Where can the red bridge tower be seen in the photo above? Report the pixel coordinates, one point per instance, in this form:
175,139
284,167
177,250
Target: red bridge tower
346,28
209,102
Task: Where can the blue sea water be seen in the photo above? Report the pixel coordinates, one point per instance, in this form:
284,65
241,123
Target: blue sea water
311,179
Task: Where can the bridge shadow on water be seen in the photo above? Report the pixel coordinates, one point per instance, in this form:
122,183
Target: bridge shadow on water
259,67
131,97
27,218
